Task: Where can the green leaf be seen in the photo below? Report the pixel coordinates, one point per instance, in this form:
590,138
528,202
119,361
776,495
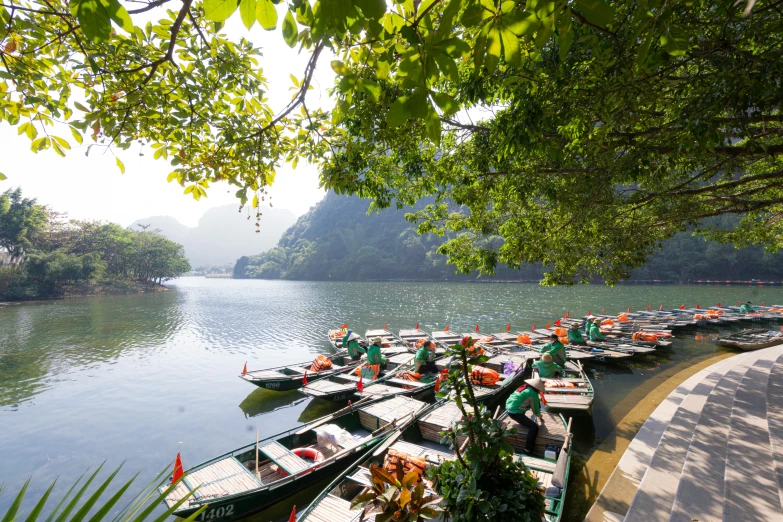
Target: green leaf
644,51
339,67
446,103
219,10
382,69
373,9
11,513
674,40
90,502
521,23
446,65
81,107
565,39
3,176
77,136
511,51
398,112
474,15
93,19
118,15
64,144
432,125
369,87
120,165
247,11
266,14
454,47
494,49
290,31
596,12
101,514
33,516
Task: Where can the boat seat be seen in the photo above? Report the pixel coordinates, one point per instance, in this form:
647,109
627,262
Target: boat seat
295,369
283,457
403,382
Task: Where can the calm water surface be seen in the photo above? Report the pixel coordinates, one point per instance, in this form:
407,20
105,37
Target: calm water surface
140,378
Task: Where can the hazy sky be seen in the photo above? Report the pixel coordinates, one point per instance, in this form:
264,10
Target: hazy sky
93,188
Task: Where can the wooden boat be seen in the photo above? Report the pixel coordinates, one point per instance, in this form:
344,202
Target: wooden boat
600,351
291,376
571,391
388,339
422,438
413,339
749,340
255,476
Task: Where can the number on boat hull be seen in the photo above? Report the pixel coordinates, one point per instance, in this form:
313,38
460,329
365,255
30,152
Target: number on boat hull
219,512
272,385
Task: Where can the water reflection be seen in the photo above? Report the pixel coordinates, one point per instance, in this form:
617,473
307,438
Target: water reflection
262,401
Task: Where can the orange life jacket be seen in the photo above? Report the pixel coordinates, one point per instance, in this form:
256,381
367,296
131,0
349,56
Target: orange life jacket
524,339
644,336
561,332
407,375
321,362
623,317
608,323
484,376
395,459
373,369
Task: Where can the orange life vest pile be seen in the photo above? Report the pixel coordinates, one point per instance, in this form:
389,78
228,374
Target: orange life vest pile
475,351
561,332
372,369
644,336
557,383
623,317
407,375
483,376
698,317
408,463
524,339
320,363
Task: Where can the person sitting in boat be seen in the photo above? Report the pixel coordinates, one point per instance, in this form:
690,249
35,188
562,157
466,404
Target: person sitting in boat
424,358
374,355
546,367
351,343
747,308
574,335
595,330
556,349
518,403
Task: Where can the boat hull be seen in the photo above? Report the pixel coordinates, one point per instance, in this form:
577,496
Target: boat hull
244,504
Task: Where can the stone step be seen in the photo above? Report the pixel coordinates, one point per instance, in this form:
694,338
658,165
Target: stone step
775,418
751,491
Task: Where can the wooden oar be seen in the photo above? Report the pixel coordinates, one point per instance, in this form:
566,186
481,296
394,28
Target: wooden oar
315,424
391,439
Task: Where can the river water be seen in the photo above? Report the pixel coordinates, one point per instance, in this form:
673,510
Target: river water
140,378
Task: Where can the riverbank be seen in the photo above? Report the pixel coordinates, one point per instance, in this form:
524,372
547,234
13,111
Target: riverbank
95,288
596,470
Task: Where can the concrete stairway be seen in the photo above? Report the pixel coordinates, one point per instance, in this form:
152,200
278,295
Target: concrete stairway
713,450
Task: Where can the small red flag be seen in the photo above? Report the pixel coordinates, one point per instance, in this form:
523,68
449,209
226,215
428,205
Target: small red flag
548,326
660,308
762,303
292,518
447,328
534,328
345,325
244,370
417,326
437,383
698,307
648,308
588,312
738,303
629,309
477,328
682,307
602,310
178,471
718,303
558,323
508,327
360,384
385,326
304,379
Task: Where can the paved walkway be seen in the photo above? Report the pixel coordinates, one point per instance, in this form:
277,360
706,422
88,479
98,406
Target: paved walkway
712,451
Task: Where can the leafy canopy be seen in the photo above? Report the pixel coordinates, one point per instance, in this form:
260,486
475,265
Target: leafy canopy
581,132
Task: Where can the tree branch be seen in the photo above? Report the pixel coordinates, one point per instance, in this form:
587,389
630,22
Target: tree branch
148,7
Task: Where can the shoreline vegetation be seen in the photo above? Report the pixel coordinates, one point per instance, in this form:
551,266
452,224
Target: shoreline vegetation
44,255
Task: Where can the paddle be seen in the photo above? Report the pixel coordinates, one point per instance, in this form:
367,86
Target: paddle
324,420
380,450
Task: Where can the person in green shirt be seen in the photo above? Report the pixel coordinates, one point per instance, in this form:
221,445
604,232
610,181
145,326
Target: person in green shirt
546,368
423,358
351,343
556,349
524,399
747,308
374,355
574,335
595,331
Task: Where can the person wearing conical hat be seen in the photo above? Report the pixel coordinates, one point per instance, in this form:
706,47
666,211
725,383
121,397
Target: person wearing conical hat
556,349
518,403
594,333
351,343
374,355
588,325
747,308
574,335
546,367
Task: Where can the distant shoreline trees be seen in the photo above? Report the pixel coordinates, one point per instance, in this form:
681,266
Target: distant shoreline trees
44,251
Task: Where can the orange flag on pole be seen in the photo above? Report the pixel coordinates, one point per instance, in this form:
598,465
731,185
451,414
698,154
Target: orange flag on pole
345,325
682,307
533,329
698,307
360,384
477,328
508,327
648,308
292,518
447,328
548,326
178,471
629,309
244,370
718,303
385,326
558,323
304,379
417,326
660,308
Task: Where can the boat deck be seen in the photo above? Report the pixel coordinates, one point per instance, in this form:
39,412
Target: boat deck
326,387
224,477
713,450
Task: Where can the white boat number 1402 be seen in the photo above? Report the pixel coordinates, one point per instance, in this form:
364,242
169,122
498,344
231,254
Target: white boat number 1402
222,511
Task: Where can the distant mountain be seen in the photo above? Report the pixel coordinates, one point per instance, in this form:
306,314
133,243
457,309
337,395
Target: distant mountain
223,234
338,240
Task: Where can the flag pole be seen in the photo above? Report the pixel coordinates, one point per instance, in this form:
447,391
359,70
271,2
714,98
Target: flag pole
257,475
